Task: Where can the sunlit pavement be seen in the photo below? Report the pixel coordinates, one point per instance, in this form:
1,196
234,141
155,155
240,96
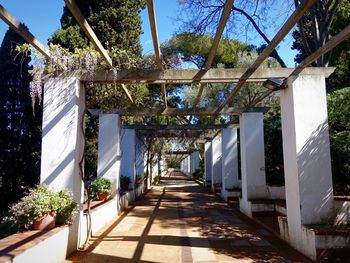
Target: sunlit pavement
179,221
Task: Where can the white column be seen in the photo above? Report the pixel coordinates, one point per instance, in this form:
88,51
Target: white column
229,160
252,159
63,143
307,163
195,160
216,165
140,157
207,162
128,156
108,165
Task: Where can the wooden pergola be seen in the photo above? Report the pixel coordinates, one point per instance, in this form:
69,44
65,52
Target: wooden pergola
206,75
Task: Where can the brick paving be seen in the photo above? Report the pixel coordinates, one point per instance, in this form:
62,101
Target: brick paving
179,221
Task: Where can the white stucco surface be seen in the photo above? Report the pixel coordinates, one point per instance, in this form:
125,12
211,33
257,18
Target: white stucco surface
62,143
309,190
207,161
229,160
217,161
108,165
128,155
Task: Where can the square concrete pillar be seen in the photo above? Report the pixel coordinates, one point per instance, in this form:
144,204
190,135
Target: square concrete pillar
229,161
63,143
140,157
217,162
207,163
252,159
108,165
195,161
307,162
128,155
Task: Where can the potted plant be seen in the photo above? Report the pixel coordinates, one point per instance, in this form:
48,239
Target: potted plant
39,209
101,188
125,182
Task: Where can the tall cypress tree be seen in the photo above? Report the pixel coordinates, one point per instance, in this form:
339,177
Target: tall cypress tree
20,131
116,23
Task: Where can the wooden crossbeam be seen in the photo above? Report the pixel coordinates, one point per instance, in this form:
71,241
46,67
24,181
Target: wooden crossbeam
220,29
331,43
23,32
289,24
217,75
127,93
74,9
154,32
153,24
179,127
174,111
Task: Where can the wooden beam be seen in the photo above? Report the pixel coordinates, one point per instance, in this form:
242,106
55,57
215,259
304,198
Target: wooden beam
127,93
220,29
153,24
219,75
179,127
23,32
74,9
133,111
289,24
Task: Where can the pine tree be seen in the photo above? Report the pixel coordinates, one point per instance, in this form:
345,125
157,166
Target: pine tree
20,131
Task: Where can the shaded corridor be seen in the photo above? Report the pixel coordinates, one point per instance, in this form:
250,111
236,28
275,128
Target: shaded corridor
179,221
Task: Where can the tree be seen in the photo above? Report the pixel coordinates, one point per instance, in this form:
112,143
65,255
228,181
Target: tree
116,23
339,131
20,131
326,19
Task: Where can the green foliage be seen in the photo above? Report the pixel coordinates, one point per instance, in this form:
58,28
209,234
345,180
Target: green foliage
124,182
273,146
39,202
157,179
340,55
339,129
20,130
199,173
100,186
195,48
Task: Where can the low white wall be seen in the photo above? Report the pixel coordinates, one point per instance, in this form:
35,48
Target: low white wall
276,192
342,212
55,242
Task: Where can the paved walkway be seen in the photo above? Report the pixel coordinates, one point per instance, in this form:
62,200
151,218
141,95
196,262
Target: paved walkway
179,221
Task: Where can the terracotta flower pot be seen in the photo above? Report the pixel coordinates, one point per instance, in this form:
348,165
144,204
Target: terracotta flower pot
47,222
102,196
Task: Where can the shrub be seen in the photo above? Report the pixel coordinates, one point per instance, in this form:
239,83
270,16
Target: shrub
39,202
100,186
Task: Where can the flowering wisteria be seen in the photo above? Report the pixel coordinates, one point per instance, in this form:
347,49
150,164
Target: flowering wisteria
86,61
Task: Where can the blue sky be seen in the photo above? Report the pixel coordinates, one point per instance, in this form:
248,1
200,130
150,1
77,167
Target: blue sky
43,17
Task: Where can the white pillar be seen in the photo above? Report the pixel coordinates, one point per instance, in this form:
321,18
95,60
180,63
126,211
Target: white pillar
216,159
128,156
63,143
140,157
229,160
108,165
307,163
252,159
195,160
207,162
